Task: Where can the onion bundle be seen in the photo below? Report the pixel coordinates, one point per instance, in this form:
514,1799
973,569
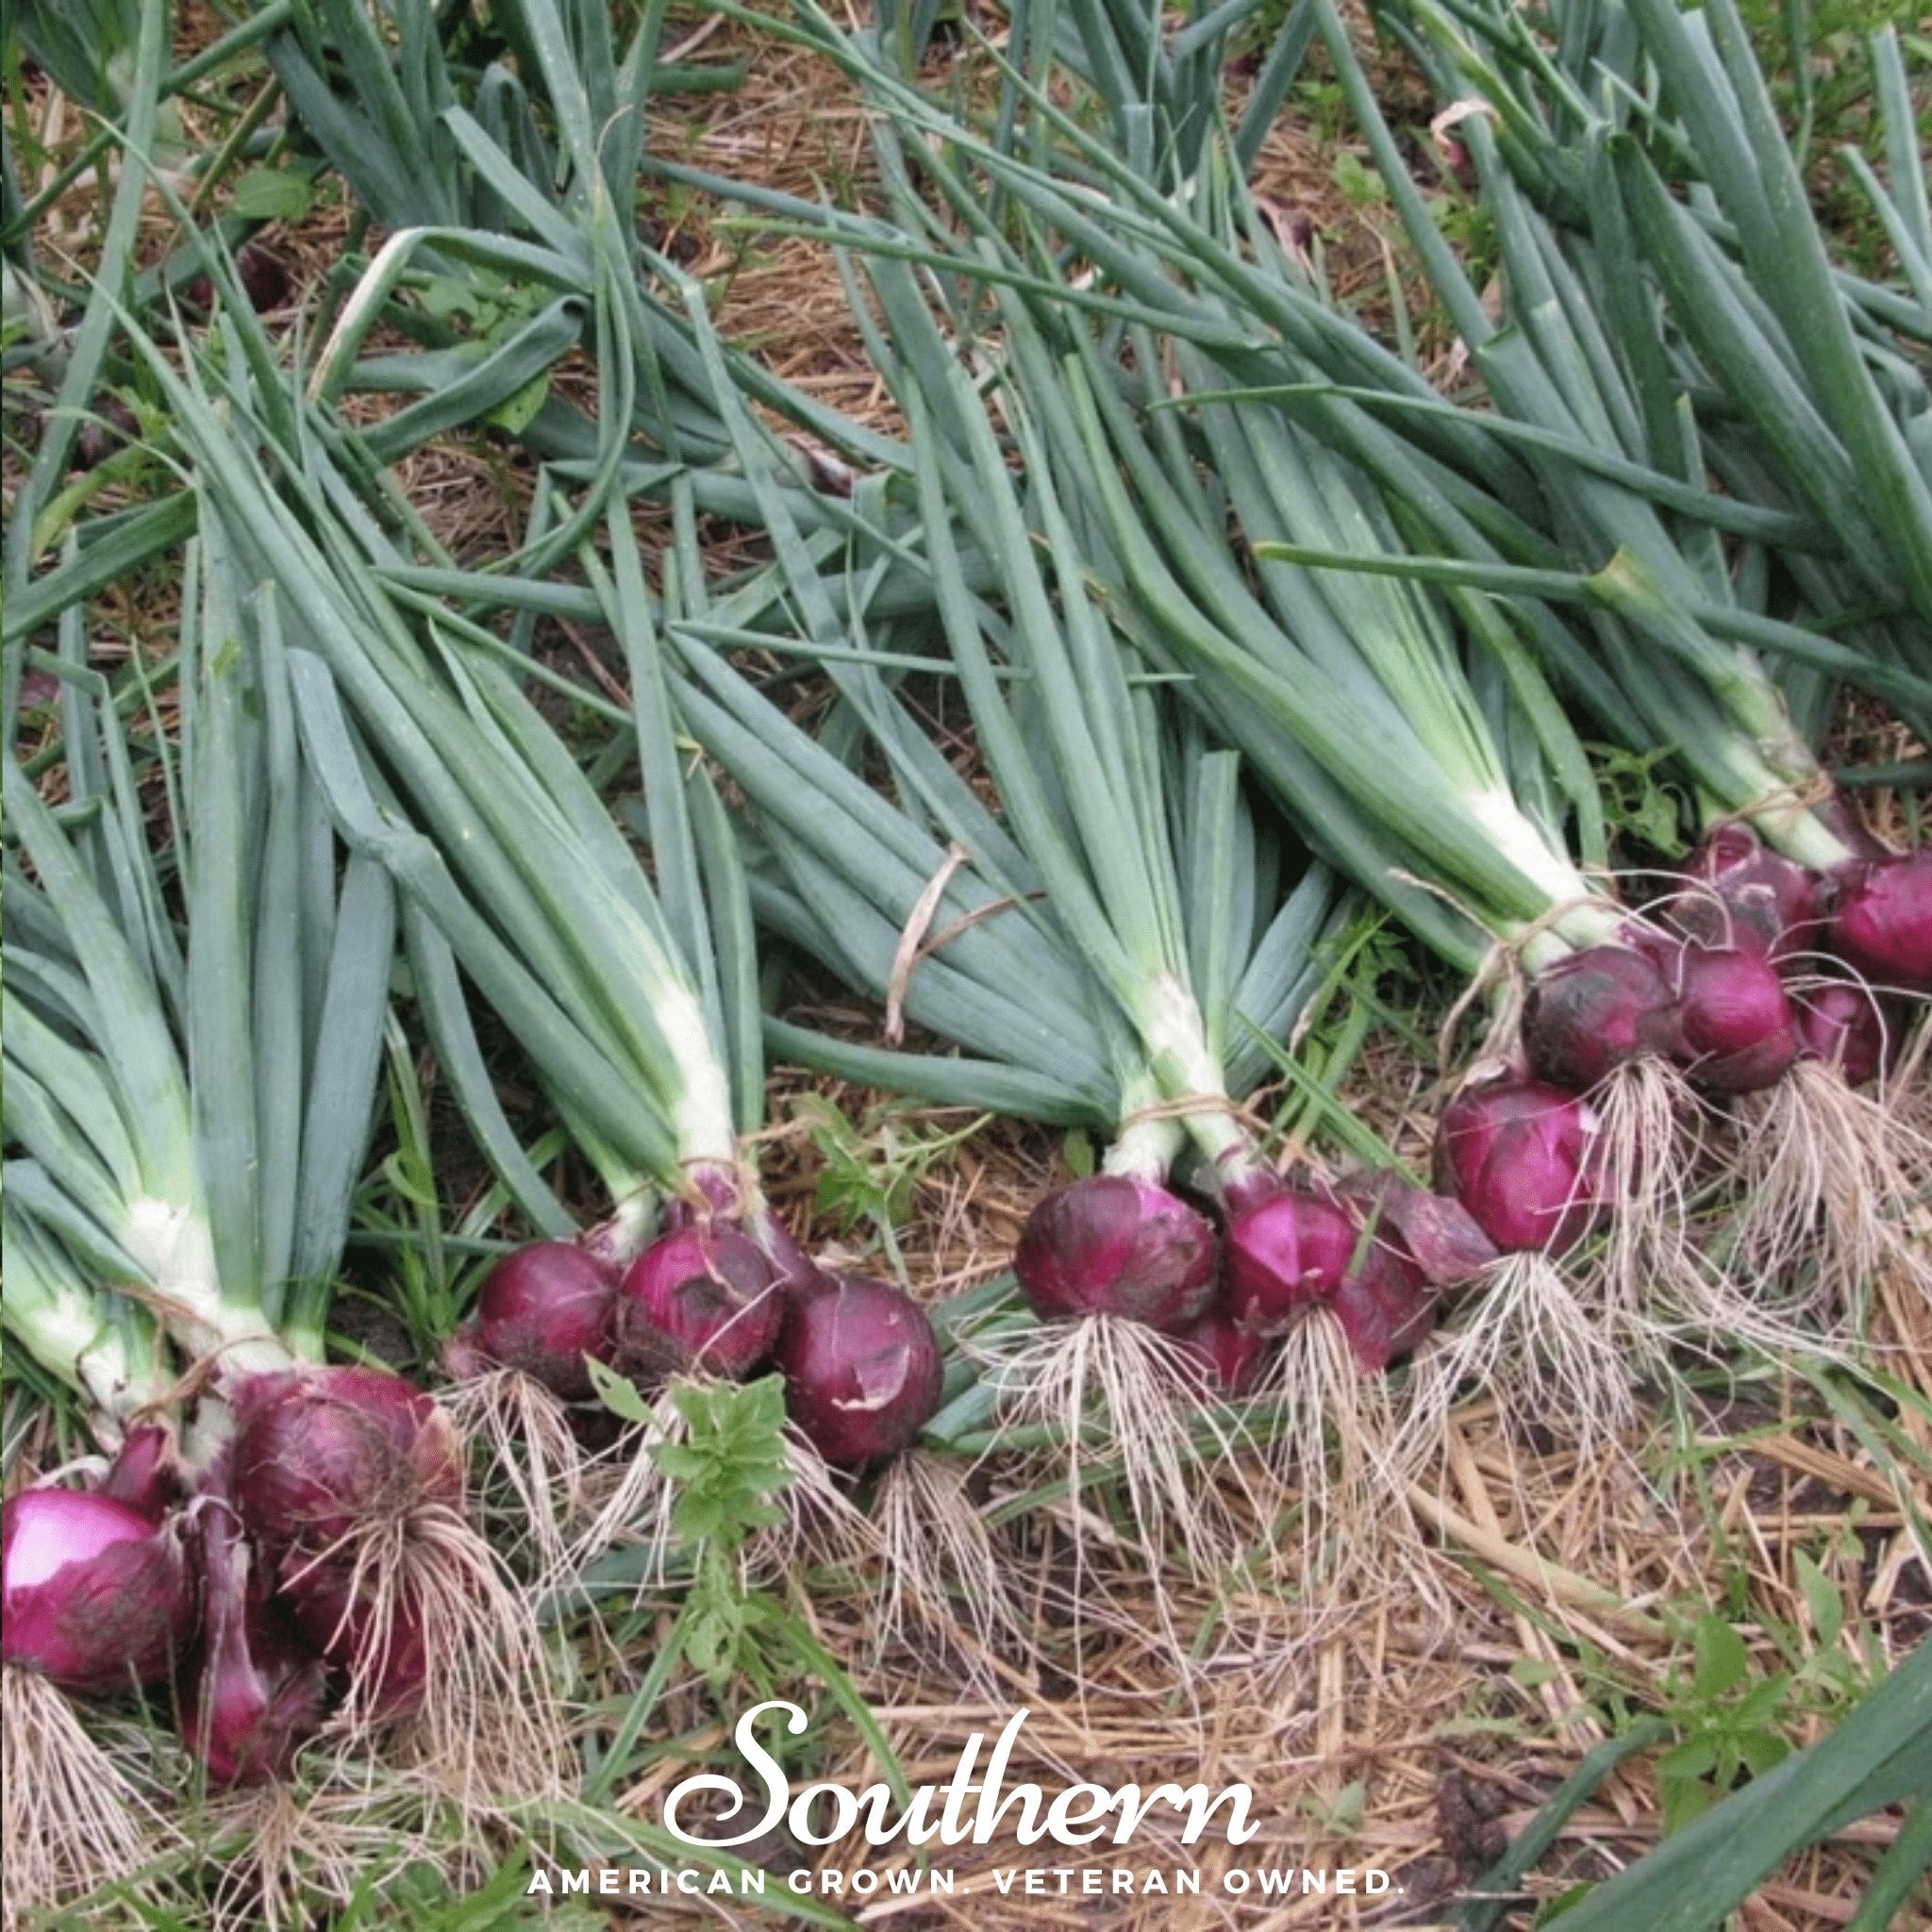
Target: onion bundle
189,1120
1336,458
633,995
1809,944
1135,985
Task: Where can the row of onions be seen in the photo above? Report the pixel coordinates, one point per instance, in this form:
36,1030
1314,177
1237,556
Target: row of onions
1130,834
1254,634
1773,964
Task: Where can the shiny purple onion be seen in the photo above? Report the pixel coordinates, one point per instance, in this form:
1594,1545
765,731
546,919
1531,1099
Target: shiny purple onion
320,1454
1739,1034
862,1370
699,1298
1116,1244
1520,1155
96,1597
1882,926
1284,1251
543,1308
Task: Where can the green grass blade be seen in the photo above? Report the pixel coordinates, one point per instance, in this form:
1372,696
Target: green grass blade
1877,1756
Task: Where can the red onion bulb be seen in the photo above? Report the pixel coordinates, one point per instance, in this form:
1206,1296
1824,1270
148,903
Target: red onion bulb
96,1597
1883,921
1739,1034
1285,1252
320,1454
259,1692
543,1308
704,1298
1591,1012
1115,1244
1519,1154
862,1370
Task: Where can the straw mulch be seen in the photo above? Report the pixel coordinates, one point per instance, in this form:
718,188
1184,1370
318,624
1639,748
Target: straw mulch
1419,1724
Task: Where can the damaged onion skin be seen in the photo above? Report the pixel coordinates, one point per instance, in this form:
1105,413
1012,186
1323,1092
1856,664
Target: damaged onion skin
543,1309
259,1692
1748,896
1739,1032
699,1298
1385,1305
1117,1244
863,1373
1519,1154
1589,1014
321,1455
1882,924
1283,1254
96,1597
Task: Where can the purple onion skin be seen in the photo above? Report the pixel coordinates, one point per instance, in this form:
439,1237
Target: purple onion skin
1882,926
331,1620
145,1473
1114,1245
797,1271
1385,1306
1739,1031
260,1692
318,1453
862,1370
543,1308
1847,1027
1746,895
1518,1153
95,1596
1283,1254
1589,1014
699,1298
721,1197
1434,1233
1226,1358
